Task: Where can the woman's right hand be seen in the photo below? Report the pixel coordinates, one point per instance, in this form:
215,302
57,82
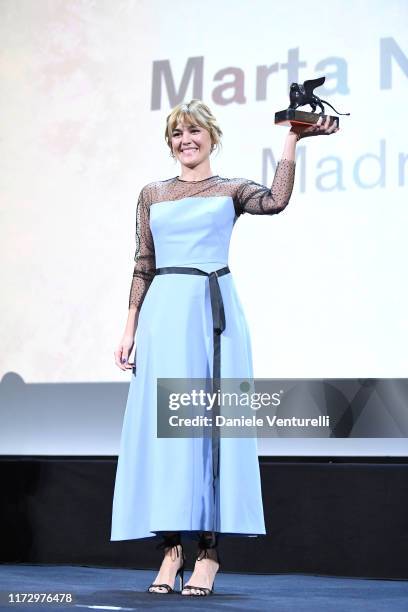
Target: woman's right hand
123,351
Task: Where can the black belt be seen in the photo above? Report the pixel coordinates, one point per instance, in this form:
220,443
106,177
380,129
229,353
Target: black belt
218,315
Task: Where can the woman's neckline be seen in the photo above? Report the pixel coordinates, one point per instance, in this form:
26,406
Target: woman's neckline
200,181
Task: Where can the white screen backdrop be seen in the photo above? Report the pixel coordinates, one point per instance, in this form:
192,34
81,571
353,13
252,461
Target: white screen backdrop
323,285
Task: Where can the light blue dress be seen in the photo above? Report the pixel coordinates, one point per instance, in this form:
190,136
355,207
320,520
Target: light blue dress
165,484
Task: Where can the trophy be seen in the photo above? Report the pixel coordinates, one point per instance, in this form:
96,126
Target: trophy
300,95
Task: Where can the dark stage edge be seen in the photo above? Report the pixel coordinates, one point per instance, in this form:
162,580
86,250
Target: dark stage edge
327,516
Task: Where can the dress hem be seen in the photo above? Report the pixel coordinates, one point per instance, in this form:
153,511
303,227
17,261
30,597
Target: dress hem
187,533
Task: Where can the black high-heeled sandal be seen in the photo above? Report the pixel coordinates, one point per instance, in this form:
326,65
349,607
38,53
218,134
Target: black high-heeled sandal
171,541
205,542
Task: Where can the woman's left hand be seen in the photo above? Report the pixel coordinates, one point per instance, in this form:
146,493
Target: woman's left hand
316,129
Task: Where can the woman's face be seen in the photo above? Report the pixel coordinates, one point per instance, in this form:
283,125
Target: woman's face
191,144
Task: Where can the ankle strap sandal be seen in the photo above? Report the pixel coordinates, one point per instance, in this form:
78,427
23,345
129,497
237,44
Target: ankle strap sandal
171,541
205,542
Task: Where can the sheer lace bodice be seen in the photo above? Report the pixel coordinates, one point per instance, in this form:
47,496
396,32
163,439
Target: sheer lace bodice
247,196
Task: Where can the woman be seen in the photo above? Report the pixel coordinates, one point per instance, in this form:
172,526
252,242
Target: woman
190,324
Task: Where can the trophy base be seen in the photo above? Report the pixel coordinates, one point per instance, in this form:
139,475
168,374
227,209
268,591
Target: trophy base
291,116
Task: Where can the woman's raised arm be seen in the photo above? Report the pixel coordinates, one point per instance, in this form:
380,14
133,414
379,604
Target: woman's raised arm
256,199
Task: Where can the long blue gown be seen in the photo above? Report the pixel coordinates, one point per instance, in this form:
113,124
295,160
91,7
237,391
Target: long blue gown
165,484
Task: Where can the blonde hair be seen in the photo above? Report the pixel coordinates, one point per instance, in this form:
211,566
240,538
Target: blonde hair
197,112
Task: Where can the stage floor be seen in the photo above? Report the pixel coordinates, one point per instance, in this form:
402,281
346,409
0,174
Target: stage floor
97,588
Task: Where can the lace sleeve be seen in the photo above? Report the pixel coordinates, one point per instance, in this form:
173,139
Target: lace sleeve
257,199
145,261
